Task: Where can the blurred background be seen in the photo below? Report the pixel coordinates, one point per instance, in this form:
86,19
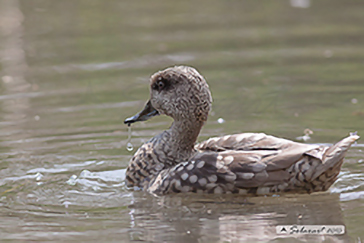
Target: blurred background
72,71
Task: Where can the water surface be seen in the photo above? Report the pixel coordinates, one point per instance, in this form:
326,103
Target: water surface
71,71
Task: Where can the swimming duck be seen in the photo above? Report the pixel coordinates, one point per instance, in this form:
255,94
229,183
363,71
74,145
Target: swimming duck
246,163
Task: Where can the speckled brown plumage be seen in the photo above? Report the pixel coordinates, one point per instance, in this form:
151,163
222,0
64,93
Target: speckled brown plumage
242,163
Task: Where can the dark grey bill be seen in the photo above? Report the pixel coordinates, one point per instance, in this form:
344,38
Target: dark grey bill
147,113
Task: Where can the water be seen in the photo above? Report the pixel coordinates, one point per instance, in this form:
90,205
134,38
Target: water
72,71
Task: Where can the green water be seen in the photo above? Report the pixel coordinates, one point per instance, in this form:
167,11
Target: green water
72,71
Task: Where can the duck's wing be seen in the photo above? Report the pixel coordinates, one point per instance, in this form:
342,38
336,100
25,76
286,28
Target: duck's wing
259,160
260,149
255,163
249,141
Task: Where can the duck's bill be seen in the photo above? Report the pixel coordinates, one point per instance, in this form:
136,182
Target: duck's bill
147,113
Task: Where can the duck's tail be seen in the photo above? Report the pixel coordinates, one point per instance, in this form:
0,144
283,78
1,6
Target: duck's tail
326,173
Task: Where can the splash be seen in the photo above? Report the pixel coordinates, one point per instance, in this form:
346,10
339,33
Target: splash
129,145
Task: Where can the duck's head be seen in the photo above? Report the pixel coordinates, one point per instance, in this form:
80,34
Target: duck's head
179,92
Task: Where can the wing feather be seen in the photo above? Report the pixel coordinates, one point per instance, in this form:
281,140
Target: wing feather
258,159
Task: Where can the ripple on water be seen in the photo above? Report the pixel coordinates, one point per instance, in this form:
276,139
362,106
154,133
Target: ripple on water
349,196
58,168
66,185
98,180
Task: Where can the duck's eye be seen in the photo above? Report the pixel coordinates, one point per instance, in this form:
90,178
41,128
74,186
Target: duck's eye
159,85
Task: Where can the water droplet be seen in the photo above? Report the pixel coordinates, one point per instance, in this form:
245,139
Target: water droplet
129,145
38,176
72,180
66,204
220,120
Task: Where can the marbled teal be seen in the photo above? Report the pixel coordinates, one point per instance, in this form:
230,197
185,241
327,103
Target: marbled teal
245,163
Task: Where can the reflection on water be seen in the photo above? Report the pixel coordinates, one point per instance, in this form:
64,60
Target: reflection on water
72,71
230,218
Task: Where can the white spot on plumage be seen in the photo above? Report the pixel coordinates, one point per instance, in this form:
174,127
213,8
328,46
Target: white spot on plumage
228,159
218,190
212,178
193,178
230,177
246,176
190,166
180,168
219,165
210,186
184,176
200,164
202,181
184,163
177,184
219,157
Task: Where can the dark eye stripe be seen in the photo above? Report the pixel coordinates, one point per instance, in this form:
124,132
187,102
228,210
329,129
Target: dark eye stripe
160,84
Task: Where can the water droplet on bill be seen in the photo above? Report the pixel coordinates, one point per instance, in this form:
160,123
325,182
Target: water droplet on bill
129,145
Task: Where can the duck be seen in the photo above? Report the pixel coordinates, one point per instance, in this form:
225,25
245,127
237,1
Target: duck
245,163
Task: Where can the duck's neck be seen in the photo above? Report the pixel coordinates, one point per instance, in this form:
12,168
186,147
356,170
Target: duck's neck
165,150
182,137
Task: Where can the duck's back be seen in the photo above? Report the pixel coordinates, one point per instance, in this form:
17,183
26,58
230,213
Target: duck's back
254,163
